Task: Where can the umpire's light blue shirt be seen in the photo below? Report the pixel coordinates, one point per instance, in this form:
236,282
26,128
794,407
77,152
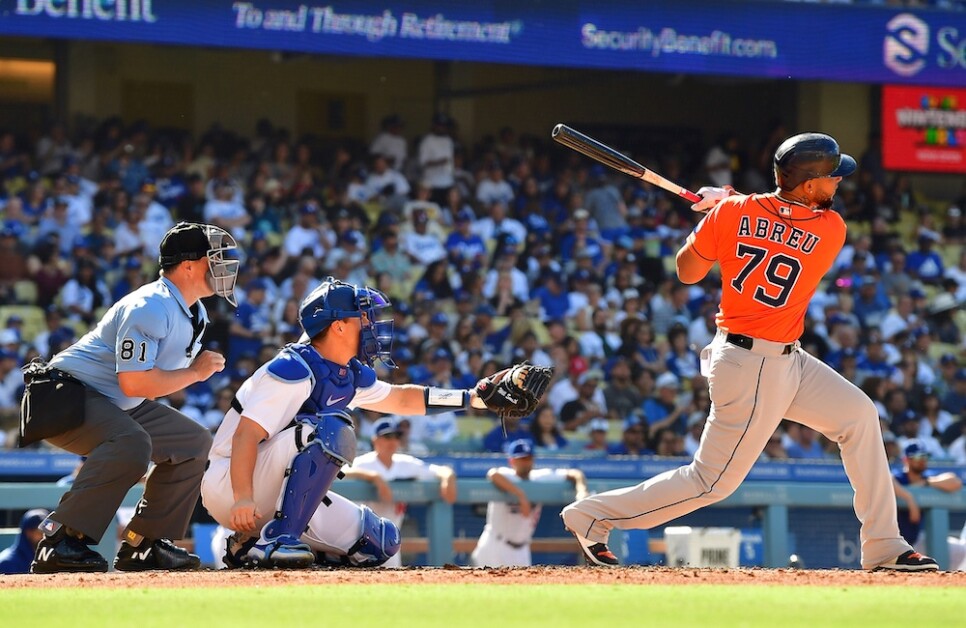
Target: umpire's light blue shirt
151,327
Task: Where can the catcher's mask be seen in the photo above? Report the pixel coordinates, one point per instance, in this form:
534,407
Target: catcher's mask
336,300
187,241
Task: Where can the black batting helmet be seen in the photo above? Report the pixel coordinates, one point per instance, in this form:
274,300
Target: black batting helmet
809,156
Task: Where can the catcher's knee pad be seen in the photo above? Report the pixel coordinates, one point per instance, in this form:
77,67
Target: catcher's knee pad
331,443
379,541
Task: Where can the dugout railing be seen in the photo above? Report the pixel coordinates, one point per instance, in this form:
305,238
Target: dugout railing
773,498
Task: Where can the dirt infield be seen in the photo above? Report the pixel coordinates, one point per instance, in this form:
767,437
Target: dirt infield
465,575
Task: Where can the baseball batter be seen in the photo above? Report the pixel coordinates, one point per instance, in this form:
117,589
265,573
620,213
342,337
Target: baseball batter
505,540
287,436
773,250
385,464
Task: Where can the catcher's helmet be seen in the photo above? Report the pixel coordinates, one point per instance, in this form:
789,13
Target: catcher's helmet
335,300
810,156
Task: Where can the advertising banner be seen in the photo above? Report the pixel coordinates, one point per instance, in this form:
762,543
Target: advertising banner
924,128
783,40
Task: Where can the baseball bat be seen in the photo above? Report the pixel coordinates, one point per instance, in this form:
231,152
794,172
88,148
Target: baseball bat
571,138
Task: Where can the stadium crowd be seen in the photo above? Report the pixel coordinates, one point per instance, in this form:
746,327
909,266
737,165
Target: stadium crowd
505,249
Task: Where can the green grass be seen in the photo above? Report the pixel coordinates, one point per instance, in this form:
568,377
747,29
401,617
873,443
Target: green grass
354,606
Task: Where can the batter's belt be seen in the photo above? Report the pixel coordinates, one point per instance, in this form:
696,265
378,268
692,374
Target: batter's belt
747,342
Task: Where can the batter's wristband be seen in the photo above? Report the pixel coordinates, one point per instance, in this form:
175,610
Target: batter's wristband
440,400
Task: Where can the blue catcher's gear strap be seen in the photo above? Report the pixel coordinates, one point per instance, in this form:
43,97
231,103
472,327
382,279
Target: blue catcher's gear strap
440,400
312,472
379,541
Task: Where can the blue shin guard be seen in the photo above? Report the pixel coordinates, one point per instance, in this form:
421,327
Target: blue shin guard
331,444
379,541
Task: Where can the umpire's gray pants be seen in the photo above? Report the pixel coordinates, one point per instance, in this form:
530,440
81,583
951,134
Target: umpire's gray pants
119,445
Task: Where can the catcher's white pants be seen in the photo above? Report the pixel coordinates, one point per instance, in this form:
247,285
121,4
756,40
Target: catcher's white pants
751,392
333,529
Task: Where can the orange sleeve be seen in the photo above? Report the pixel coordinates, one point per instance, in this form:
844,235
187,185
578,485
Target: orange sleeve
702,239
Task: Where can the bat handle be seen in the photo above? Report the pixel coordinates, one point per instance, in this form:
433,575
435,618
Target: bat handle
689,195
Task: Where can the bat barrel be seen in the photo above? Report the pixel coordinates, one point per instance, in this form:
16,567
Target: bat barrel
606,155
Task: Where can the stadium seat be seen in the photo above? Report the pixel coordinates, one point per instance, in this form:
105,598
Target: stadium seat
25,291
32,315
938,349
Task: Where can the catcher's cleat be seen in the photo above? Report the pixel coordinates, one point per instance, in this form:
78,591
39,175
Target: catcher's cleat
63,552
285,552
910,561
236,550
160,554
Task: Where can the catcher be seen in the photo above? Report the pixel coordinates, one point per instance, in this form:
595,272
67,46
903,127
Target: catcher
287,435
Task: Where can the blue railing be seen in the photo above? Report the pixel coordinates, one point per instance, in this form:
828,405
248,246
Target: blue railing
773,498
16,466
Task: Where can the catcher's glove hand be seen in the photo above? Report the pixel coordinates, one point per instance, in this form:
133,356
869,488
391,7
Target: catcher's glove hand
514,393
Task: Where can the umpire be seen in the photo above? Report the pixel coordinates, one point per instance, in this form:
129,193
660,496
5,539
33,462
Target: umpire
147,345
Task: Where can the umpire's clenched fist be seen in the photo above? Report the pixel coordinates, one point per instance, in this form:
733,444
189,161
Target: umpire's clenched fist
207,364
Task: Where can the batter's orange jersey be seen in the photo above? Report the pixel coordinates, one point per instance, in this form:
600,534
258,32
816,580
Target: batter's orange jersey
772,254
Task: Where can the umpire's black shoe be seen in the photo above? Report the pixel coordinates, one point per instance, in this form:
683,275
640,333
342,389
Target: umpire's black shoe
63,552
154,555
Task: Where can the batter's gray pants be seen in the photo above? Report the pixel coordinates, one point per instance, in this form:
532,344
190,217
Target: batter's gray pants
119,445
751,392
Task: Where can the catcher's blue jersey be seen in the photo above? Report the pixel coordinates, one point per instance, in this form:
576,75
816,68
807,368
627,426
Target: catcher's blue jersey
151,327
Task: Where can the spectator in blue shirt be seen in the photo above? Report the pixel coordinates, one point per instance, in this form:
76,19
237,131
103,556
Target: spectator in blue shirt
556,201
581,240
633,440
681,360
802,442
496,440
954,401
494,340
16,559
874,361
663,410
871,302
466,250
132,278
925,263
252,323
552,296
623,247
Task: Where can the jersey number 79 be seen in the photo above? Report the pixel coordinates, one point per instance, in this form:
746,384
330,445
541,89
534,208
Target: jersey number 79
781,271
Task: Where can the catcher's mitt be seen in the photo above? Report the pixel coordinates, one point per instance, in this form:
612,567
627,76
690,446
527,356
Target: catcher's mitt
514,393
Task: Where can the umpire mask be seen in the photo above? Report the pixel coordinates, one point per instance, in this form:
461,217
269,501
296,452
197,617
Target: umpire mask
223,262
193,241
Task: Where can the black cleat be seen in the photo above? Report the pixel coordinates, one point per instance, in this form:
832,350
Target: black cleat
910,561
236,551
597,554
160,554
62,552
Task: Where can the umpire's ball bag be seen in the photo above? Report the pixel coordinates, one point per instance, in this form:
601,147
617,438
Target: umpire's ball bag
53,402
